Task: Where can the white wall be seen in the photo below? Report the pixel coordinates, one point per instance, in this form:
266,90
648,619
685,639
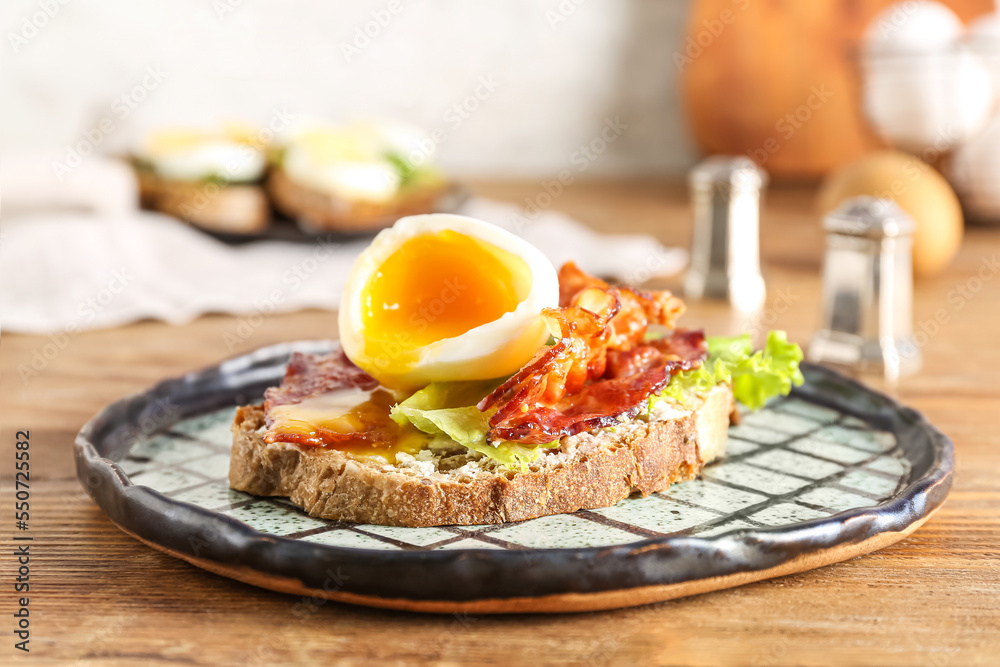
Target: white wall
560,69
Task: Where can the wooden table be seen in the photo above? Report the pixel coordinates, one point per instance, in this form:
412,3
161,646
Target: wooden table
101,597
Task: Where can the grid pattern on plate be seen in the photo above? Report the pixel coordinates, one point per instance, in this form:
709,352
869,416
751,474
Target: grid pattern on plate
791,462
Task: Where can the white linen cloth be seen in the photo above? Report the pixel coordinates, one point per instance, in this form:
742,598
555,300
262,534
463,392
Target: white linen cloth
110,264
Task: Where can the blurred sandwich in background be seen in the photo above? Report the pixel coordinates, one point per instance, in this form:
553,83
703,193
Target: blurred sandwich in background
212,179
354,178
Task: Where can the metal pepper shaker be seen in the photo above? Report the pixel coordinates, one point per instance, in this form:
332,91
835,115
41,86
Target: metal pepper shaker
725,254
868,290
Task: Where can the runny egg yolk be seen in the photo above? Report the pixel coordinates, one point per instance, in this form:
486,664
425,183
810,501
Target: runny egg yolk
351,420
437,286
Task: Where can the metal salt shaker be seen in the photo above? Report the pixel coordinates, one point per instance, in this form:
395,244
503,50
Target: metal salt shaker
725,257
868,290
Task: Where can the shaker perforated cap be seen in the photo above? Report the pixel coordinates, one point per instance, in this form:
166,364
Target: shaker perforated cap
869,217
740,173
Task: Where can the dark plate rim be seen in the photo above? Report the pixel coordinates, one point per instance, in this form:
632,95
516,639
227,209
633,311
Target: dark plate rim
473,574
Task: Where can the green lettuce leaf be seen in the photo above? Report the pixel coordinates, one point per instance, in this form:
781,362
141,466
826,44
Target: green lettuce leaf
448,408
756,376
445,395
413,175
407,172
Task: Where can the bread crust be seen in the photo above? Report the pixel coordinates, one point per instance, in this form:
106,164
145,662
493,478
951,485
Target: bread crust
236,208
324,212
589,471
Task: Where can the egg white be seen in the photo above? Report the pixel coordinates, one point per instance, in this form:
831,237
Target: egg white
355,178
922,26
491,350
196,159
350,161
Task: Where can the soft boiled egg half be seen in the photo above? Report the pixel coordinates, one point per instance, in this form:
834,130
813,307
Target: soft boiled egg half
439,298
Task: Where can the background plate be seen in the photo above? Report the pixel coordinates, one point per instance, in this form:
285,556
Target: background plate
833,471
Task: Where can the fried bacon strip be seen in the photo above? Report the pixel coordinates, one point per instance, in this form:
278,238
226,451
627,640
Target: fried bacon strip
577,356
565,367
630,378
599,370
637,308
597,405
310,375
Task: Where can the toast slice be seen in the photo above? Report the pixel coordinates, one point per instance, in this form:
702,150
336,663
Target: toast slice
457,486
235,208
322,212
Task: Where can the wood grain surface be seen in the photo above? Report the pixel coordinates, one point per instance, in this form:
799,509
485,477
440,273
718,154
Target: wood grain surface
100,597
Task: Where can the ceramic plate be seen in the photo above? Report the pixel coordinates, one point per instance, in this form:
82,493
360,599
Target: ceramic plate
831,472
